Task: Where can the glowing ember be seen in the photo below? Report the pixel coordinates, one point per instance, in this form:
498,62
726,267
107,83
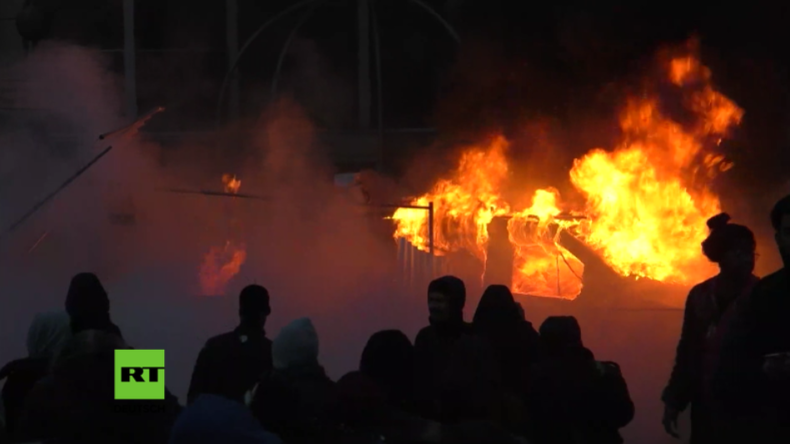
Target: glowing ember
221,264
231,182
646,201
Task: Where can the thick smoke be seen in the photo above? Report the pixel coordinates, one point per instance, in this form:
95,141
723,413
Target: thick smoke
306,240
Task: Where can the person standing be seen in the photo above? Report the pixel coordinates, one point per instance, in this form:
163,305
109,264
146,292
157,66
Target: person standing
752,381
435,343
232,363
710,306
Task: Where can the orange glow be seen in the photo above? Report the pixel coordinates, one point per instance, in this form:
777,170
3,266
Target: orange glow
231,182
221,264
647,199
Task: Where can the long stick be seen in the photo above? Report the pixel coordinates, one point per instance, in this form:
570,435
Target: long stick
212,193
49,196
134,126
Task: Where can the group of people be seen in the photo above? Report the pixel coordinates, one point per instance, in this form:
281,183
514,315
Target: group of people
494,380
732,366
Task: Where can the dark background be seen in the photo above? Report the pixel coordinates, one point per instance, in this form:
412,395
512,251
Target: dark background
558,62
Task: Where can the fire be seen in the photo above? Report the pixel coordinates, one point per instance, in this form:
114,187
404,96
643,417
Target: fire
464,205
231,182
467,201
221,264
543,267
646,204
647,200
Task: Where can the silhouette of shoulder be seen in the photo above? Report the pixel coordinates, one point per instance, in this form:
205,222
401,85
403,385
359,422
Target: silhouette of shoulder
776,281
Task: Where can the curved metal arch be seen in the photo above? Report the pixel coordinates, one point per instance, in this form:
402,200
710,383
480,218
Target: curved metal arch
316,3
287,45
247,44
447,26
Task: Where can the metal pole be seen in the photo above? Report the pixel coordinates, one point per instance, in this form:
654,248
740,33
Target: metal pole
430,228
232,40
379,87
430,240
129,60
363,58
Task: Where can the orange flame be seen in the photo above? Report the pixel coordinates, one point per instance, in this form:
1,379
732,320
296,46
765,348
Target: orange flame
221,264
647,212
231,182
646,201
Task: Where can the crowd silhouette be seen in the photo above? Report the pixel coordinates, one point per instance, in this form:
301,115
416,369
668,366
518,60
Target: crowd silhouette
494,380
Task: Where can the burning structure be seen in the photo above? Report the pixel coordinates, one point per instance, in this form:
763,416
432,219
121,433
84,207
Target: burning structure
645,201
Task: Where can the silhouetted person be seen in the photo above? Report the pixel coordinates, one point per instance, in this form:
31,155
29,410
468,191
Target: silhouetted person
572,397
709,308
231,363
76,403
88,305
214,419
388,360
368,418
516,344
472,406
752,384
297,400
434,343
46,336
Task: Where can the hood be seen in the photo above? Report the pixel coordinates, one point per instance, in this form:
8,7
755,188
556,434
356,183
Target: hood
388,359
86,296
47,334
296,345
496,308
213,419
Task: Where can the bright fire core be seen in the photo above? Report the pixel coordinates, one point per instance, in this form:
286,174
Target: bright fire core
647,199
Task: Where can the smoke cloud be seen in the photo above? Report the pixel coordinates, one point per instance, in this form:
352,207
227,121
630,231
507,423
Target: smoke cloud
318,252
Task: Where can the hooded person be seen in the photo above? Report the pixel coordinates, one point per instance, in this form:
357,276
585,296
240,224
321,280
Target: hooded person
710,306
214,419
388,360
472,406
572,397
76,402
231,363
88,305
499,321
296,400
367,417
434,343
45,337
751,386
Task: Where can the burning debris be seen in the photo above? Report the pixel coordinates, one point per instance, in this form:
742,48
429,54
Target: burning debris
221,264
647,199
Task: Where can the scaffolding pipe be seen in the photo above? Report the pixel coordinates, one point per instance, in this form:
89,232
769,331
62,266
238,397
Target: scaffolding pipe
247,44
363,60
379,86
129,60
430,240
232,41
